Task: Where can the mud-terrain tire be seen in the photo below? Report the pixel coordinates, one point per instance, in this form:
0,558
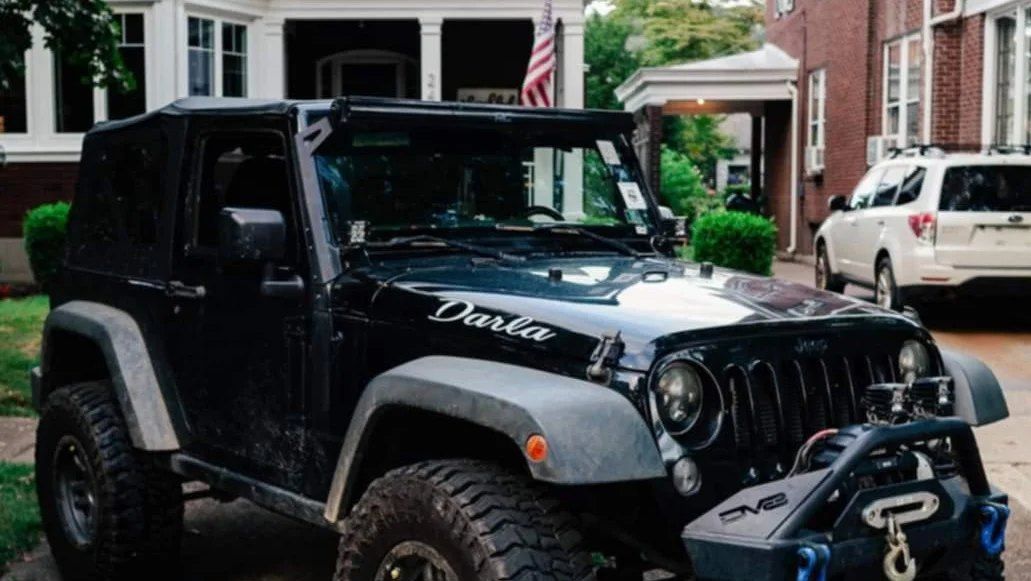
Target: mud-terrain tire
107,512
467,520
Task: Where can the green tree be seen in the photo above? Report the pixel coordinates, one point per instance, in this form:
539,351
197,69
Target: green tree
609,62
84,31
682,187
700,139
680,31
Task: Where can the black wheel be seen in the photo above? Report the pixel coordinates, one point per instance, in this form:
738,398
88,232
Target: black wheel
106,511
886,292
825,277
458,520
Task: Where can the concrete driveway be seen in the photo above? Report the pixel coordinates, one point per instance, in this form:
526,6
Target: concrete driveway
240,542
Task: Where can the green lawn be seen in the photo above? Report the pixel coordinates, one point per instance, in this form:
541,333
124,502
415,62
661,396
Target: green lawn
21,325
19,514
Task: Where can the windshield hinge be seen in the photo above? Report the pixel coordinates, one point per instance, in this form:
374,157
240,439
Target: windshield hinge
605,358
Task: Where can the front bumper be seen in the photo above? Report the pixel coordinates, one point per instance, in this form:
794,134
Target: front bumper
757,534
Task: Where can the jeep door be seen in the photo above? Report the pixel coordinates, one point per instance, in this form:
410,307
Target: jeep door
239,354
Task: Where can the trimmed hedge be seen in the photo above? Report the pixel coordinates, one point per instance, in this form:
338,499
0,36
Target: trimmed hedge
735,240
45,229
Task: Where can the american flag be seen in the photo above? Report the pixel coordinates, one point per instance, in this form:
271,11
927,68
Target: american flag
537,86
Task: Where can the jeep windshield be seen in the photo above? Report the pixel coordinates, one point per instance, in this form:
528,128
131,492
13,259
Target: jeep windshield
499,186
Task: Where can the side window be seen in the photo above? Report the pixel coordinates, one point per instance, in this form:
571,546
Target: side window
862,197
121,195
239,170
911,186
889,186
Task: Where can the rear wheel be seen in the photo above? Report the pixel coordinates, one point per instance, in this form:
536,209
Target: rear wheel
458,520
106,511
886,291
825,277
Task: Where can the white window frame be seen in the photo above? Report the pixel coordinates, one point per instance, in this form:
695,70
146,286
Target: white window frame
905,99
817,119
245,55
218,20
1021,122
100,112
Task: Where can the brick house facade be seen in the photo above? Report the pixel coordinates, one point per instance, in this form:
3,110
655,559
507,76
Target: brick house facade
865,76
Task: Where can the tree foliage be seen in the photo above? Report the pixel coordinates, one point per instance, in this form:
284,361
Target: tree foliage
682,188
662,32
84,31
735,240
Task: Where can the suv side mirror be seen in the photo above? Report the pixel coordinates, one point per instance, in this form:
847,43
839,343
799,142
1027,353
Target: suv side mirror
251,235
838,204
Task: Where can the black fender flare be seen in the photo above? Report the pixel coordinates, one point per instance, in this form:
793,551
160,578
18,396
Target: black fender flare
136,385
979,398
594,434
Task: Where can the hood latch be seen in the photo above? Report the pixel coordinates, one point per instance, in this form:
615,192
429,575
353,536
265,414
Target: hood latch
605,358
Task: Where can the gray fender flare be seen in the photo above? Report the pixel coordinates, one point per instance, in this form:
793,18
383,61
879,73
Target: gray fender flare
594,434
136,385
979,397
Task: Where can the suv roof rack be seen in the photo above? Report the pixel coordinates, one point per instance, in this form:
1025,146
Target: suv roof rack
1010,149
925,150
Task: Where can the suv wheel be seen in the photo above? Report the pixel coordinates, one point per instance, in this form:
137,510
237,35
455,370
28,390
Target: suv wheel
825,277
105,510
457,520
886,291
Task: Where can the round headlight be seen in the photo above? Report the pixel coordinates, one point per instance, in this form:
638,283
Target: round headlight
680,397
914,361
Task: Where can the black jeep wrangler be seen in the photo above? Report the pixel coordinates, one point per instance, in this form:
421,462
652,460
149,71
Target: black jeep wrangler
456,334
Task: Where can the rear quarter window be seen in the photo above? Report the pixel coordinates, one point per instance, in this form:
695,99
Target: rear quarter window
986,188
118,206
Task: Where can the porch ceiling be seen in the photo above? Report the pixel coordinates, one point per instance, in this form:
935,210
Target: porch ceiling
735,84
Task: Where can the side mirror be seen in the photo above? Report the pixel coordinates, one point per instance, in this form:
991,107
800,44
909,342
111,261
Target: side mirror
251,235
838,204
672,226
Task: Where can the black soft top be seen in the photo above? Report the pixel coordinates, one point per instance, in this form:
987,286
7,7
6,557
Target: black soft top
345,109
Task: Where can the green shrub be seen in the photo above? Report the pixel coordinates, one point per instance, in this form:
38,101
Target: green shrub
735,240
45,229
682,186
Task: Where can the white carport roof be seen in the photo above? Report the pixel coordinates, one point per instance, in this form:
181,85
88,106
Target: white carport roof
738,82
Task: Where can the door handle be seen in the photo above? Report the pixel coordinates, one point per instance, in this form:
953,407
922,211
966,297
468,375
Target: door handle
177,289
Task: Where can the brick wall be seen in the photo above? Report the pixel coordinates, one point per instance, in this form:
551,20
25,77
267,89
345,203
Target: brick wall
847,37
26,185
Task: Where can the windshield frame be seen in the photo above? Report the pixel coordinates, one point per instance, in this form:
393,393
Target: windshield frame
624,231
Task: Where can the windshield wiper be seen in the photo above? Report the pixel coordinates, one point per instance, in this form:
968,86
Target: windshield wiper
566,229
428,240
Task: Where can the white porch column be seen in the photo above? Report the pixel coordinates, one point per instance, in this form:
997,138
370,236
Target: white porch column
572,73
272,84
431,85
571,77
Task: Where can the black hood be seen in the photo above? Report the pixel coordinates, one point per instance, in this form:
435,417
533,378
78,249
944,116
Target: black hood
565,306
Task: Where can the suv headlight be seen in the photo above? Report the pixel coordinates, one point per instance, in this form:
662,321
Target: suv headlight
680,397
914,361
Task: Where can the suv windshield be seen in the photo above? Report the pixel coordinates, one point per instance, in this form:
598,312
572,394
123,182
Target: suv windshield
987,188
460,180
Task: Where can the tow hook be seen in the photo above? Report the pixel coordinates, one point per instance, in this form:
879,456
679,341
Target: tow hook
898,553
812,562
993,527
605,358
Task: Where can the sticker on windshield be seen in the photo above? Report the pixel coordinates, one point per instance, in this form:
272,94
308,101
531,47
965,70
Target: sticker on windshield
608,152
632,196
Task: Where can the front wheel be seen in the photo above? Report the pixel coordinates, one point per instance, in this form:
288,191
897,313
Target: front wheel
825,277
886,291
458,520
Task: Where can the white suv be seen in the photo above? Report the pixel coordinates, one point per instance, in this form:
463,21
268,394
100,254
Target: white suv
919,226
